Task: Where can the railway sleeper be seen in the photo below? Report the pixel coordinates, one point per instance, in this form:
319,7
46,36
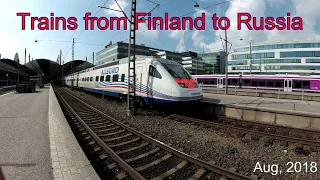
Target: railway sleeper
92,142
122,175
97,149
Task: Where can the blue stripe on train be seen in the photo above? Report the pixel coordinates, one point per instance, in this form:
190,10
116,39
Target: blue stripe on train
108,93
114,94
145,90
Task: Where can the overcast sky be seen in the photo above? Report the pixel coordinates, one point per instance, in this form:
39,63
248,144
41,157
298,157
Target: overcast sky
14,40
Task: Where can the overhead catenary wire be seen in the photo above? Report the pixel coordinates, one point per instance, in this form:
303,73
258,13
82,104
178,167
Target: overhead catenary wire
206,8
83,29
157,6
75,30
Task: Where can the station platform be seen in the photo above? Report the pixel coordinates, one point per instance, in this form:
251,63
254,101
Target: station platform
288,105
36,141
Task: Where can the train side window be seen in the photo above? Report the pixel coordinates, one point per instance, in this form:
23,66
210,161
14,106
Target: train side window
262,83
88,79
205,82
115,78
254,83
278,84
101,78
212,81
270,84
97,78
297,84
108,78
306,83
234,81
122,77
91,79
154,72
246,81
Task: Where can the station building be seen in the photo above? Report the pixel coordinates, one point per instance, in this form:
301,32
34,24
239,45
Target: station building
119,50
294,57
205,63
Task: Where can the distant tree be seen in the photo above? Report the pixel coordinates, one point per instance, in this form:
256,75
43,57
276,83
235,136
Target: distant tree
16,58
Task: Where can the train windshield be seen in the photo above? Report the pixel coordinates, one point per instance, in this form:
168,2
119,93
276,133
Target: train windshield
177,71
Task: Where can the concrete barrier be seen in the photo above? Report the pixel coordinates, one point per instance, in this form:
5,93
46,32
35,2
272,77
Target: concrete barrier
289,118
265,93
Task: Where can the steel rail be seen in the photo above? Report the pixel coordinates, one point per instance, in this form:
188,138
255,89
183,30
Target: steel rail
311,131
279,137
199,162
133,173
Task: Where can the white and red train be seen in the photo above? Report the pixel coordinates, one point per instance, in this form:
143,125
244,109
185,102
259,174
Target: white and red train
157,80
285,82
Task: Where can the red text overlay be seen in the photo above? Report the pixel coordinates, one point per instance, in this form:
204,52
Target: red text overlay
244,20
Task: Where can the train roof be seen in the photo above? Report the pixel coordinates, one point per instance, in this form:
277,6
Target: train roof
260,75
125,60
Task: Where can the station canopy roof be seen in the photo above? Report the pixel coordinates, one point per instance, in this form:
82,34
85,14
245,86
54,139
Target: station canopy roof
8,66
51,68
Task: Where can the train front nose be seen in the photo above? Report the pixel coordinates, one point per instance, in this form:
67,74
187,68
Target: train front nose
188,89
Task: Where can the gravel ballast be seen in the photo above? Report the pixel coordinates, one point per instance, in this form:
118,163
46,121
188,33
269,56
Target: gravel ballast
218,146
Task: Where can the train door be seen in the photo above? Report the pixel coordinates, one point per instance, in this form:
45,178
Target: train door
219,82
139,81
72,80
77,79
287,87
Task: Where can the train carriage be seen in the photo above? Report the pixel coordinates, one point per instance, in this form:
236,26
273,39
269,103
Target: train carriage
157,80
286,83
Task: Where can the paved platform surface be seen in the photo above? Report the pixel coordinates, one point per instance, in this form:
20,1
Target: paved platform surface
24,139
309,93
270,103
68,159
36,142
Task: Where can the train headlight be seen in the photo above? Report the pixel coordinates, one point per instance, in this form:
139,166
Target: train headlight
183,85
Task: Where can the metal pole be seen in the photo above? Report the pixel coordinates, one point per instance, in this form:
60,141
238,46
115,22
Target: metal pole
260,63
72,81
250,58
130,105
226,60
93,58
129,55
196,66
25,56
60,56
29,58
60,63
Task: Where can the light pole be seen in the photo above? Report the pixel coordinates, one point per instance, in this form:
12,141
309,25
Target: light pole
260,63
251,42
131,68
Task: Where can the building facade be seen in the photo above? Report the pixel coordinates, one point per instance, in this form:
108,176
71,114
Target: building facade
276,58
206,63
214,63
119,50
193,64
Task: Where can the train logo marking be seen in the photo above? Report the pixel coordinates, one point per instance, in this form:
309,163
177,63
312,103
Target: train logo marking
112,70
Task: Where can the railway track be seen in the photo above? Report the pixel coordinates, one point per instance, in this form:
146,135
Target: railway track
131,154
260,130
272,128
